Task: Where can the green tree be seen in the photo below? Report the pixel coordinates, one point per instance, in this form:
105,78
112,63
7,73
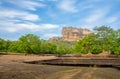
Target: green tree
13,47
115,47
47,48
29,43
85,45
105,35
1,45
64,47
4,44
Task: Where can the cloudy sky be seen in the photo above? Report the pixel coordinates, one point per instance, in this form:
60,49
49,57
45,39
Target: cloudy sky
46,18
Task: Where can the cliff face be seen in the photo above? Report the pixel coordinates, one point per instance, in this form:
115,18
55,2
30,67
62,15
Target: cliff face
74,34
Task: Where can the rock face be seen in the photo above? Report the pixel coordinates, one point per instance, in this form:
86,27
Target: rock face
73,34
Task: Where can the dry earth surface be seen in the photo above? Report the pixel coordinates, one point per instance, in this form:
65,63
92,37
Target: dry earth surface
12,67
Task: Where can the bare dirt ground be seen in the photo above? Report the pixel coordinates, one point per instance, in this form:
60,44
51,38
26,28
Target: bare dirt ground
12,67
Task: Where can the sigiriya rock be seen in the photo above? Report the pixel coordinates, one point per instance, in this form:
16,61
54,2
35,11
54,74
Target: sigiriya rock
72,34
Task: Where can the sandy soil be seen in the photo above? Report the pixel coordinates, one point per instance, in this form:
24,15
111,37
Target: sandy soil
12,67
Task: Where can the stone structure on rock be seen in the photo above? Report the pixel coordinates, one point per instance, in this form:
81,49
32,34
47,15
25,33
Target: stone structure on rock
73,34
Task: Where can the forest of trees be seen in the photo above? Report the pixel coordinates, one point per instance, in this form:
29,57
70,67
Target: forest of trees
104,39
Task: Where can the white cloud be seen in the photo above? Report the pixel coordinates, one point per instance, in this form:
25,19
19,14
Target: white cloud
27,26
14,20
50,35
12,27
49,26
95,16
101,17
22,22
68,5
14,14
27,4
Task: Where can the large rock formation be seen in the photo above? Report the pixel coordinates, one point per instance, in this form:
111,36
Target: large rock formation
74,34
71,34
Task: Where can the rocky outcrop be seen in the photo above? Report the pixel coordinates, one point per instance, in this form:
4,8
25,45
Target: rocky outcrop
71,34
74,34
55,39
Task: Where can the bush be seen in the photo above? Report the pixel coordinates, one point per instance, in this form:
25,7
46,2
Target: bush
96,49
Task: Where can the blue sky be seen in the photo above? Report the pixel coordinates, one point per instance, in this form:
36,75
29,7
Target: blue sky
46,18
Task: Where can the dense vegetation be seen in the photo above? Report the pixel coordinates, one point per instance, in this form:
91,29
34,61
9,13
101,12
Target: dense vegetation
105,39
